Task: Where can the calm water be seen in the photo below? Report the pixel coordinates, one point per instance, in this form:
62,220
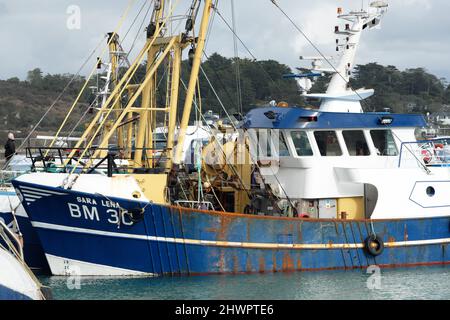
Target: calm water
416,283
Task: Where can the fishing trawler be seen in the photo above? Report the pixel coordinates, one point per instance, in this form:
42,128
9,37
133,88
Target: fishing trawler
296,189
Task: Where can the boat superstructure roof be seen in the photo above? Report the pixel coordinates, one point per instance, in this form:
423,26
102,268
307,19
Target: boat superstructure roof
299,118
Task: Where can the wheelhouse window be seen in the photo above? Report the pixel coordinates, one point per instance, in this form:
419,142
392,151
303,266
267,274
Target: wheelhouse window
301,143
280,144
328,143
263,147
384,142
356,142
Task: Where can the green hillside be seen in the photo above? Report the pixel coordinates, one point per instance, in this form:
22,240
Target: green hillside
22,103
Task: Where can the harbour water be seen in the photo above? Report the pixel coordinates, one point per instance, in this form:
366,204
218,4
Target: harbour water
389,284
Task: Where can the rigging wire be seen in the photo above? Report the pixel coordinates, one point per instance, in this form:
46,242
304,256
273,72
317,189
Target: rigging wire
119,25
314,46
255,162
50,108
75,76
221,148
247,49
211,24
124,82
136,17
340,74
236,60
219,78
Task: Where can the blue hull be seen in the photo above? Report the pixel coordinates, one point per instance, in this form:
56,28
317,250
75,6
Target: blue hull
33,251
172,240
9,294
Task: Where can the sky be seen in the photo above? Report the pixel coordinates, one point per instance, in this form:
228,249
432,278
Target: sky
48,34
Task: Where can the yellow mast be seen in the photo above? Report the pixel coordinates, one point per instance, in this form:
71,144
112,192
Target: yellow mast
145,129
160,51
193,79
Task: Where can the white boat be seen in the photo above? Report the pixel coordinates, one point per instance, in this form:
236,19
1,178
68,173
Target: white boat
17,281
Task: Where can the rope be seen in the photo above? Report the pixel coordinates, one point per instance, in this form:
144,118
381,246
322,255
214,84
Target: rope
214,193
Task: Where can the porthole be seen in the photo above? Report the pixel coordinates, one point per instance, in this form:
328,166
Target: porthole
430,191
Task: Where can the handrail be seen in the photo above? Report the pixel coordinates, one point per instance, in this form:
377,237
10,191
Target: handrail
5,230
191,203
421,143
59,154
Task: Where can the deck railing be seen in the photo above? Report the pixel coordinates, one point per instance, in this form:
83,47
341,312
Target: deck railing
56,159
431,153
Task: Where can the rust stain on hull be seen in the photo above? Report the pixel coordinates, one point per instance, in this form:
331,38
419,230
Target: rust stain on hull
288,264
262,264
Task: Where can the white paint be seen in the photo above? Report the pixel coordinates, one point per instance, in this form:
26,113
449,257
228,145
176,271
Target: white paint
250,245
60,266
340,98
120,186
14,276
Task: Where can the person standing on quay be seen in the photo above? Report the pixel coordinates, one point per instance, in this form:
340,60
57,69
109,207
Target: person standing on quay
10,147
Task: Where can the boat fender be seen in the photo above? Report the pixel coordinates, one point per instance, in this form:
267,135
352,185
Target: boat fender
136,215
426,156
374,245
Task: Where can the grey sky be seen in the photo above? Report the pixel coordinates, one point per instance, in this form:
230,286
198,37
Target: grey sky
414,33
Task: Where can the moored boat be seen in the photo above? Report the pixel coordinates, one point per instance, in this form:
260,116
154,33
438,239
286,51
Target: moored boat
17,281
333,188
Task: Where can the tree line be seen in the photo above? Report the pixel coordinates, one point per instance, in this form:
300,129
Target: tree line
416,90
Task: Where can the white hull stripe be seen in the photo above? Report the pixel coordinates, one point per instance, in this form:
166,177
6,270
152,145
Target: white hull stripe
252,245
43,192
31,196
35,193
29,200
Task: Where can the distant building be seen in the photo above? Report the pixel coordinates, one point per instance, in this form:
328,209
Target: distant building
441,118
410,107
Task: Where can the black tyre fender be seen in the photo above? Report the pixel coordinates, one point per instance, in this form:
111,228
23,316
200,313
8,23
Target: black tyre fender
374,245
136,215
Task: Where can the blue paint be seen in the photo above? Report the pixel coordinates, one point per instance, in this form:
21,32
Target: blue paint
33,252
302,75
9,294
7,193
162,257
291,118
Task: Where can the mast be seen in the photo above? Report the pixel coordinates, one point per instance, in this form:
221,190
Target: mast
197,59
339,97
145,129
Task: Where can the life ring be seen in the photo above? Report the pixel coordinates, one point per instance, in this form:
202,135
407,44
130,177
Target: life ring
426,156
374,245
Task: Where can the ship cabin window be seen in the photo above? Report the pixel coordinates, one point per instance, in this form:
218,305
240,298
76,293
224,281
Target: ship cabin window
384,142
301,143
356,143
328,143
263,147
280,144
